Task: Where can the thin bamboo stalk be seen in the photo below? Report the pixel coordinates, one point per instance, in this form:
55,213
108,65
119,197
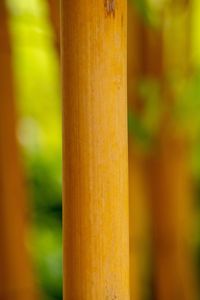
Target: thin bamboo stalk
138,211
139,221
96,247
16,281
54,9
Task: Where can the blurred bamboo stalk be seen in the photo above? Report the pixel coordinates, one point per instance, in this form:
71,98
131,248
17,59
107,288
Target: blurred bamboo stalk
170,181
170,192
156,54
139,225
96,247
54,9
16,278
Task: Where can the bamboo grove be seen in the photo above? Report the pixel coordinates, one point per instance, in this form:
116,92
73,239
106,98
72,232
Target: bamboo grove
129,75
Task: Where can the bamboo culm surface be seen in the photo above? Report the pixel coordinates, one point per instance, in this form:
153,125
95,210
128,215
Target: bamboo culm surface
95,172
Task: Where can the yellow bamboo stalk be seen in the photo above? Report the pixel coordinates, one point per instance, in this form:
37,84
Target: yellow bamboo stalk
16,281
96,247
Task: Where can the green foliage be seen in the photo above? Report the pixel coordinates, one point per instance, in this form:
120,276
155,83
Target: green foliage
44,179
150,10
187,107
137,130
144,127
142,7
47,253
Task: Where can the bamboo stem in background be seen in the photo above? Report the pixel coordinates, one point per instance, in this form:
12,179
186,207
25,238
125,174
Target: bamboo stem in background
54,9
139,219
170,181
96,247
139,250
173,276
16,280
155,55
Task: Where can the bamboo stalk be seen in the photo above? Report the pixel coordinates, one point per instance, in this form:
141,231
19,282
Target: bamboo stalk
138,210
16,281
96,247
171,192
170,176
54,9
139,221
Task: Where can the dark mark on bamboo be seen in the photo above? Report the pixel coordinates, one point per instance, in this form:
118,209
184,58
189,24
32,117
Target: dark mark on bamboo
109,7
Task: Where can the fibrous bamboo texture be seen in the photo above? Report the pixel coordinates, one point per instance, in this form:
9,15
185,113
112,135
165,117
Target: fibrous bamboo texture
96,247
